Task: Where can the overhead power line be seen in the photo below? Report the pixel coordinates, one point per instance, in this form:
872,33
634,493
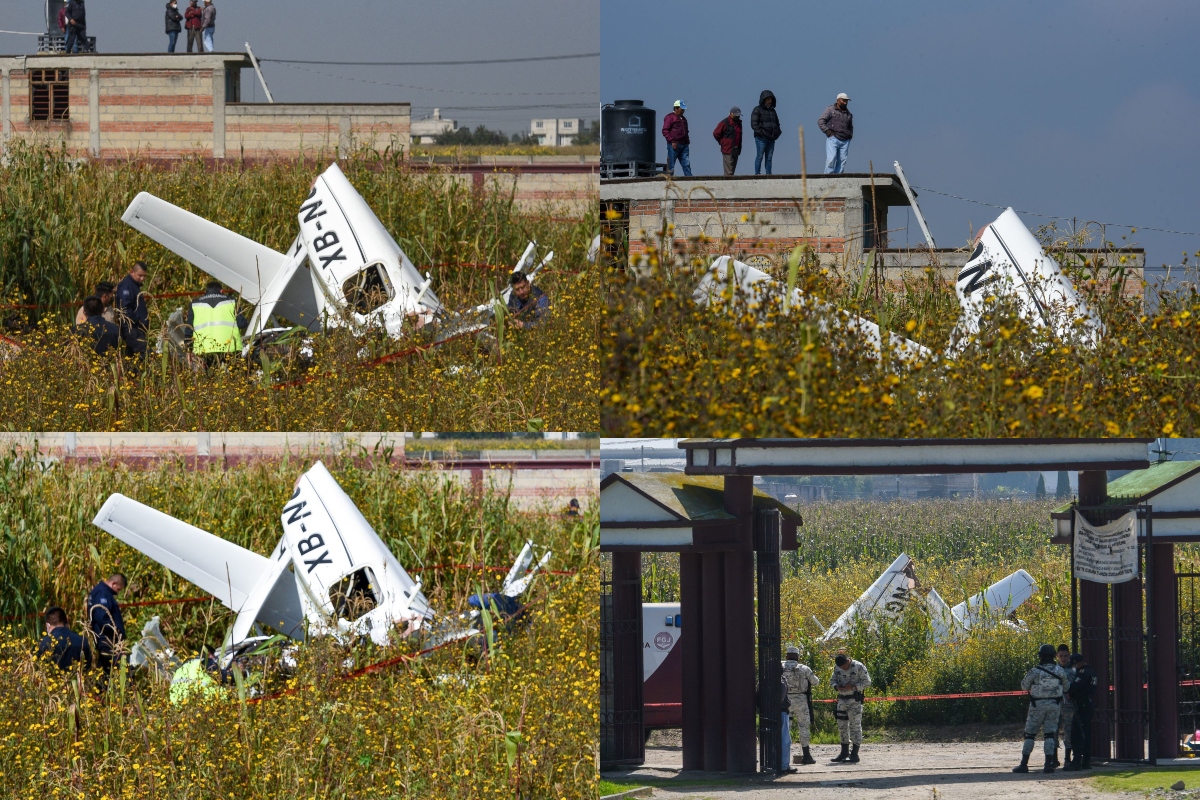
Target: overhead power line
435,63
1053,216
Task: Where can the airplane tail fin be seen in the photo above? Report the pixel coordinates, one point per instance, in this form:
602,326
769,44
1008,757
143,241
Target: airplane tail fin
242,264
998,600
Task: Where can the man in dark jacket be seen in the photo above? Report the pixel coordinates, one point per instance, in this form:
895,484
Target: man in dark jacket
62,644
102,333
765,124
527,304
837,123
131,310
1083,695
76,27
173,26
104,618
192,15
728,134
675,131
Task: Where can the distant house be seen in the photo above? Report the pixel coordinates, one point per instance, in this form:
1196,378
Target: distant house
555,132
426,129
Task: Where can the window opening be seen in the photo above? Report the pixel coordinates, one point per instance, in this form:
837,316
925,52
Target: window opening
368,289
354,595
49,94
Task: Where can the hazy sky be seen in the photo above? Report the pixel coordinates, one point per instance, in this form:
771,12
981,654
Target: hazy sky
374,30
1078,108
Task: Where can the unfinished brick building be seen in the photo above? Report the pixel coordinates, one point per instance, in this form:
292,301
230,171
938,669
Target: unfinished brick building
175,105
757,219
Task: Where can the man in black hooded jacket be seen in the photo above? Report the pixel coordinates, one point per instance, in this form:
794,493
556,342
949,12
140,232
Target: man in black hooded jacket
765,124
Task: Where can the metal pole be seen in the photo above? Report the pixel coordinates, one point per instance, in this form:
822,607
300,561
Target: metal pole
258,72
912,199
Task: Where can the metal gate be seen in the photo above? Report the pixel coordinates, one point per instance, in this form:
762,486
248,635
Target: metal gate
1188,651
768,525
1124,709
621,742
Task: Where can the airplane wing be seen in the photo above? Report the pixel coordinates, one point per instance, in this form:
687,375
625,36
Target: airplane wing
242,264
888,596
219,567
1008,260
998,600
757,287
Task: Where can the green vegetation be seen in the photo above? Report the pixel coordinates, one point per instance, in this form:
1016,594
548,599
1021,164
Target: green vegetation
60,233
520,721
1142,780
738,369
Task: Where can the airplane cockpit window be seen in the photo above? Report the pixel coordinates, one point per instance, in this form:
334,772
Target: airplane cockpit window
354,595
368,289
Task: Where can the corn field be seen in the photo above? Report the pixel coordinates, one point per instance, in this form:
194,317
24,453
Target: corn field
61,233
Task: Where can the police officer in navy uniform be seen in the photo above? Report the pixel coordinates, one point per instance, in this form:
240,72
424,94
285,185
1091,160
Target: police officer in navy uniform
63,645
131,310
104,618
1083,694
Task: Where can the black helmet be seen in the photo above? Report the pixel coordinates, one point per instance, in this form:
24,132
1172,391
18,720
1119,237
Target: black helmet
1047,653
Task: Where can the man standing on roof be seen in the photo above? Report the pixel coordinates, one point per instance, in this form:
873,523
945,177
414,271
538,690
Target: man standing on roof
214,324
850,680
800,682
765,124
1046,684
728,134
675,131
837,123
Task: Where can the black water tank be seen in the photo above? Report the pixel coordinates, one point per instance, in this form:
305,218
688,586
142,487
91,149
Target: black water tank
627,133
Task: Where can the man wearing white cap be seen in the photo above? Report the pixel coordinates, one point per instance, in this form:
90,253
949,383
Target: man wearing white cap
675,131
837,123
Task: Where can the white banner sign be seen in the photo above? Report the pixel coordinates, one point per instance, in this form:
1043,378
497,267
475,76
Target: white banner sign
1106,553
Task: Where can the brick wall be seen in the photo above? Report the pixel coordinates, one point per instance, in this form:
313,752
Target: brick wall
263,131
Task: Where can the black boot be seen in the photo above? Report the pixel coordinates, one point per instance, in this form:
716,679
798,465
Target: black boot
1067,761
1024,765
854,754
1049,764
1054,759
1086,762
842,756
807,758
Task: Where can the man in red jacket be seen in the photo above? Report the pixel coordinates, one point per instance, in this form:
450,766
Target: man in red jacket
728,134
192,15
675,131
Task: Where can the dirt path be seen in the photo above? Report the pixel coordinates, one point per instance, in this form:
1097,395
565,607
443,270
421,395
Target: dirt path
929,771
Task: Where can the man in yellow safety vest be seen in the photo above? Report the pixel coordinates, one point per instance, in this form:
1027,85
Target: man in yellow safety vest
214,324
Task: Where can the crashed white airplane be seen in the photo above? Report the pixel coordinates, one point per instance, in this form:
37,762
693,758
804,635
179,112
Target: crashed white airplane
1007,262
330,574
893,591
343,267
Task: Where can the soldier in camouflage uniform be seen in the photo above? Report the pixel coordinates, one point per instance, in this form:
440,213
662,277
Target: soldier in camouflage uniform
850,679
1067,713
800,680
1046,684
